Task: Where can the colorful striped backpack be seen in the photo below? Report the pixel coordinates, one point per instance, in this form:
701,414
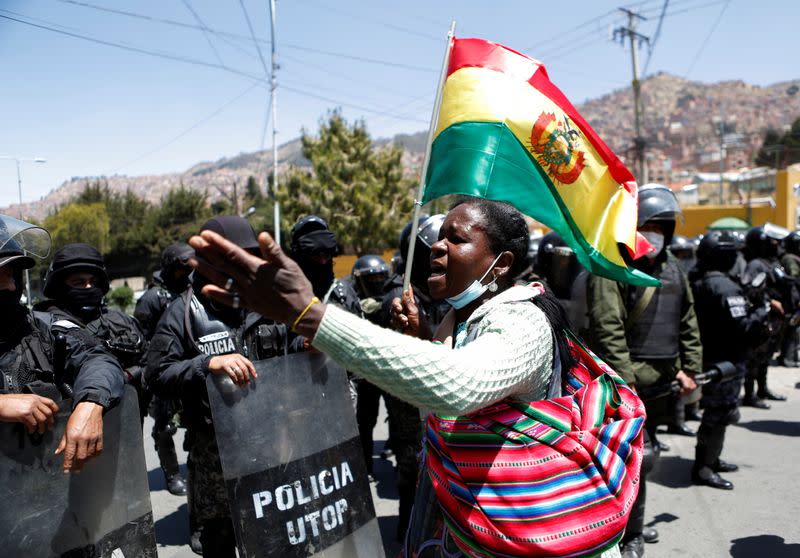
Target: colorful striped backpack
555,477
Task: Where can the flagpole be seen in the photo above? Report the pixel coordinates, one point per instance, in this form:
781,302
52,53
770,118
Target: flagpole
432,130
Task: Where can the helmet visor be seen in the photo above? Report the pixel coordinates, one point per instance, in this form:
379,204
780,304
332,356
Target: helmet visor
32,239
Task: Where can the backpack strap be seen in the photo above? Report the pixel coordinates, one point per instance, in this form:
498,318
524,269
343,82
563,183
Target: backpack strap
640,306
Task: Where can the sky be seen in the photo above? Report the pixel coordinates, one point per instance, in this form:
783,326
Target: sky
170,83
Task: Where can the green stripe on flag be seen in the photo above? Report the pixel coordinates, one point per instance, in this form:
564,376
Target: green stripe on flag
486,160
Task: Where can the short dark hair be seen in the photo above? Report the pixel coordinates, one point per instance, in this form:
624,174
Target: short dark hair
505,227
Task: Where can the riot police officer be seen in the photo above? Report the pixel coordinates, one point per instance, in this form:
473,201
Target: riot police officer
369,274
790,261
729,324
367,277
648,334
766,284
75,284
33,376
194,338
405,425
168,284
314,246
683,249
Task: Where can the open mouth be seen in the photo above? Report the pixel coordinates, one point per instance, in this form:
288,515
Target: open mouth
437,269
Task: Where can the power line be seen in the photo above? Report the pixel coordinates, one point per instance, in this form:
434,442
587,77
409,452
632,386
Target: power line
392,26
255,42
205,31
131,48
380,112
218,33
187,130
708,38
652,44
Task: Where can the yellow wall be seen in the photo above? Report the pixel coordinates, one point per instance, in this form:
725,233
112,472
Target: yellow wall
698,217
343,265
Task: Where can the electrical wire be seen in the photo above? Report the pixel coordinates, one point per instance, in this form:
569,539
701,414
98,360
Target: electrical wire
267,73
218,33
707,39
205,31
132,48
652,44
186,131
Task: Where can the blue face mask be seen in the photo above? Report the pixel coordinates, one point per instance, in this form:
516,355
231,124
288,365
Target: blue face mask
474,290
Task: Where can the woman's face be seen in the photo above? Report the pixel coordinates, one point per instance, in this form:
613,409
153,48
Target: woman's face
462,253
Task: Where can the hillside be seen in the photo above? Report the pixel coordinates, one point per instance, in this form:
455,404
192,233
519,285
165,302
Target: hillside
681,123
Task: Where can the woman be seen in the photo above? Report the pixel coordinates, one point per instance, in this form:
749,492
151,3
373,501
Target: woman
500,342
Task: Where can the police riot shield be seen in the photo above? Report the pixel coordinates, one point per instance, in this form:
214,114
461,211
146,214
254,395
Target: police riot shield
292,461
103,512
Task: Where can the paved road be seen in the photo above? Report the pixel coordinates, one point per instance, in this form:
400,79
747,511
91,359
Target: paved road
759,519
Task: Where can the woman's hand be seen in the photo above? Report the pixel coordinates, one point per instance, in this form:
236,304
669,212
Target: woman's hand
238,368
406,317
83,437
35,412
274,286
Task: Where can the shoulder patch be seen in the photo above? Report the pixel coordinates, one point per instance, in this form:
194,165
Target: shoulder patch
66,324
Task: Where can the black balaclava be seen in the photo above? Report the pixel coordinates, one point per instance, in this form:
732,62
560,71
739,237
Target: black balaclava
237,230
174,260
86,304
317,242
10,299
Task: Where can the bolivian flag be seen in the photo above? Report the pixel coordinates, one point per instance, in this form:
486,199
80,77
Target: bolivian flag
506,133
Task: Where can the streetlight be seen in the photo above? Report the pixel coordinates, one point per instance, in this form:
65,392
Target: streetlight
19,160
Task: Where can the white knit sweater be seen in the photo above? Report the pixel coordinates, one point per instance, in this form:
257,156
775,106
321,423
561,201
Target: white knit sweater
510,355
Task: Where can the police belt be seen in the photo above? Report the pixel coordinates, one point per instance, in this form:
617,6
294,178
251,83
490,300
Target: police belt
720,372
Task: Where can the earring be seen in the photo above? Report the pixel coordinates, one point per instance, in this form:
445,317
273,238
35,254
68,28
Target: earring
493,286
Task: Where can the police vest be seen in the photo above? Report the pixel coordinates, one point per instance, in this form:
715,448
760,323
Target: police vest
28,361
212,336
655,335
208,332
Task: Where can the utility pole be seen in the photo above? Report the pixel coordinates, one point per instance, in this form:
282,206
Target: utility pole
721,152
636,40
274,95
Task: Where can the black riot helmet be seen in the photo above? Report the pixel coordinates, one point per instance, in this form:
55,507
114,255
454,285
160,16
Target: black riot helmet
20,240
176,255
405,236
717,251
427,235
74,258
557,264
763,241
792,243
657,203
370,273
683,249
312,235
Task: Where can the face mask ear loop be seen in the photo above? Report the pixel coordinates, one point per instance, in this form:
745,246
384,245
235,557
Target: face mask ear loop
492,285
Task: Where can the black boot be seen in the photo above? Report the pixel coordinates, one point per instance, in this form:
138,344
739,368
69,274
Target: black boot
692,412
724,467
709,446
165,447
650,535
678,425
767,394
633,548
753,401
175,484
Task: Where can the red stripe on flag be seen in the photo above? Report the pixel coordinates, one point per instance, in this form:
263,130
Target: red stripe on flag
479,53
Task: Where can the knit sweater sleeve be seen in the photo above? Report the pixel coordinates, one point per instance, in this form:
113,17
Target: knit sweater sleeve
511,355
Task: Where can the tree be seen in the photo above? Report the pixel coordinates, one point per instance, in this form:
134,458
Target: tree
359,190
179,215
78,222
780,150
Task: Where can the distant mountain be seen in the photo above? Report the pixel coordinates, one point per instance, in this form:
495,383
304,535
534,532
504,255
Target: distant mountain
681,120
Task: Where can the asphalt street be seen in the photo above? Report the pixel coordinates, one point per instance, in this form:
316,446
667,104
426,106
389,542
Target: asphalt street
760,518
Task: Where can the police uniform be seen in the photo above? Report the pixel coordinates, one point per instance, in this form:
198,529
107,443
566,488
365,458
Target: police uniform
729,324
190,333
790,261
761,295
33,358
647,334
